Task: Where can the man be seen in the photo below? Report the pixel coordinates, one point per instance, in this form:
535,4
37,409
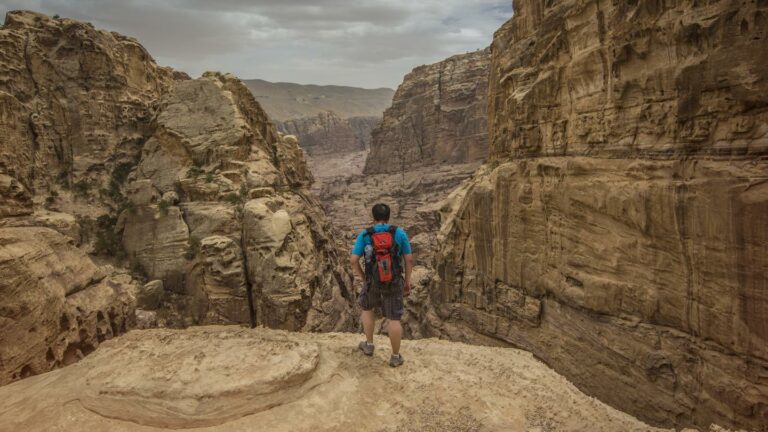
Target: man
381,290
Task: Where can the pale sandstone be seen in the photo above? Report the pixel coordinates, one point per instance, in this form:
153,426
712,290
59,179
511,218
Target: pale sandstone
234,379
618,229
56,305
75,103
79,109
327,133
438,116
234,215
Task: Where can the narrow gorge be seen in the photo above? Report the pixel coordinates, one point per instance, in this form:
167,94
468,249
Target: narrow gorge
587,199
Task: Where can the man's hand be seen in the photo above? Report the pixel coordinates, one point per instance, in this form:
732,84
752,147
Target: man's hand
407,289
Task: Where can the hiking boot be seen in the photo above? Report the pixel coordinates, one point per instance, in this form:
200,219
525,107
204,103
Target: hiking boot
366,348
396,360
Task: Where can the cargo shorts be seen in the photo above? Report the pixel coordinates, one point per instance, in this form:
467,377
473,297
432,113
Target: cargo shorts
390,302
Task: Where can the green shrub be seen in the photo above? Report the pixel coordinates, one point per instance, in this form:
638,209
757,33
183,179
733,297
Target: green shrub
194,248
232,198
137,270
209,178
194,172
163,205
108,242
81,188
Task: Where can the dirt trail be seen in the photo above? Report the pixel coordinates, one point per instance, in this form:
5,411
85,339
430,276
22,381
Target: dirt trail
235,379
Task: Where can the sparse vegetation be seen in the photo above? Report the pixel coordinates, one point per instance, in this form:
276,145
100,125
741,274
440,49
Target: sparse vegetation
194,172
137,270
53,194
108,242
163,205
233,198
114,191
209,178
81,188
194,248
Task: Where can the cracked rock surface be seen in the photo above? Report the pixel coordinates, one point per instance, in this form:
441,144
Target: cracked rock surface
219,378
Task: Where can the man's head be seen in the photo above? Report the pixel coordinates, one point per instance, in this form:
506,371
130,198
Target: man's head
380,213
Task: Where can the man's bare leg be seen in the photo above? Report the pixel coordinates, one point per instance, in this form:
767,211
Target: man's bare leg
367,318
395,331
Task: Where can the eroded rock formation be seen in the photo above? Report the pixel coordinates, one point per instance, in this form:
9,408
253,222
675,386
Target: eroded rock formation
618,231
103,152
327,133
219,206
75,106
56,305
75,103
233,379
438,116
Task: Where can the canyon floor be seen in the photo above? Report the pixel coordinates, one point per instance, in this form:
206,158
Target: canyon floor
235,379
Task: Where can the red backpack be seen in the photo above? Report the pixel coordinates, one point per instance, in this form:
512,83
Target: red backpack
382,263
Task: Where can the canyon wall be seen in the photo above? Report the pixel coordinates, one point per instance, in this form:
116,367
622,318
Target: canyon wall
114,174
220,206
618,230
75,106
327,133
438,116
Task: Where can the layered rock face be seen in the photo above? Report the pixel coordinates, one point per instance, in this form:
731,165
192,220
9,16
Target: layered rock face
327,133
56,305
220,207
618,232
216,203
75,105
438,116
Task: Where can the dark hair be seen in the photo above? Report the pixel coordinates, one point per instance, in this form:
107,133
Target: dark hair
380,212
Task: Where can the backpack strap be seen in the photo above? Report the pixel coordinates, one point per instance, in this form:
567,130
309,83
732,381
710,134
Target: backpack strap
370,231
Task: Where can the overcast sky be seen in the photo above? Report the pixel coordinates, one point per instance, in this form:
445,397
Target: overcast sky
365,43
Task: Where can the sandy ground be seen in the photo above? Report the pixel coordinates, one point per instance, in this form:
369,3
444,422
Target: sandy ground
236,379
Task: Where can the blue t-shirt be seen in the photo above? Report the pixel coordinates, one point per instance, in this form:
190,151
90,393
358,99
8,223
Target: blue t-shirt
363,240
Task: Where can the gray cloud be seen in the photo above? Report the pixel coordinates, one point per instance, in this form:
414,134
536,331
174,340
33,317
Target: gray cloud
368,43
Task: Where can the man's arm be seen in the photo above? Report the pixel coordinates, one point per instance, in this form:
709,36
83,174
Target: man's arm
408,270
357,271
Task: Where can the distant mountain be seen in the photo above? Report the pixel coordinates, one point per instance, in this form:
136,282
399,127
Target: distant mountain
287,101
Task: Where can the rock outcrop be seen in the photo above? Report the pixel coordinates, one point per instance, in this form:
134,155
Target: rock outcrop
103,152
220,208
56,305
327,133
75,107
75,104
234,379
438,116
618,231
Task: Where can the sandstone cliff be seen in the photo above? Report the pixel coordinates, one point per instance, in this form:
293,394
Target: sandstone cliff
618,231
75,107
75,104
103,152
220,207
327,133
438,115
233,379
